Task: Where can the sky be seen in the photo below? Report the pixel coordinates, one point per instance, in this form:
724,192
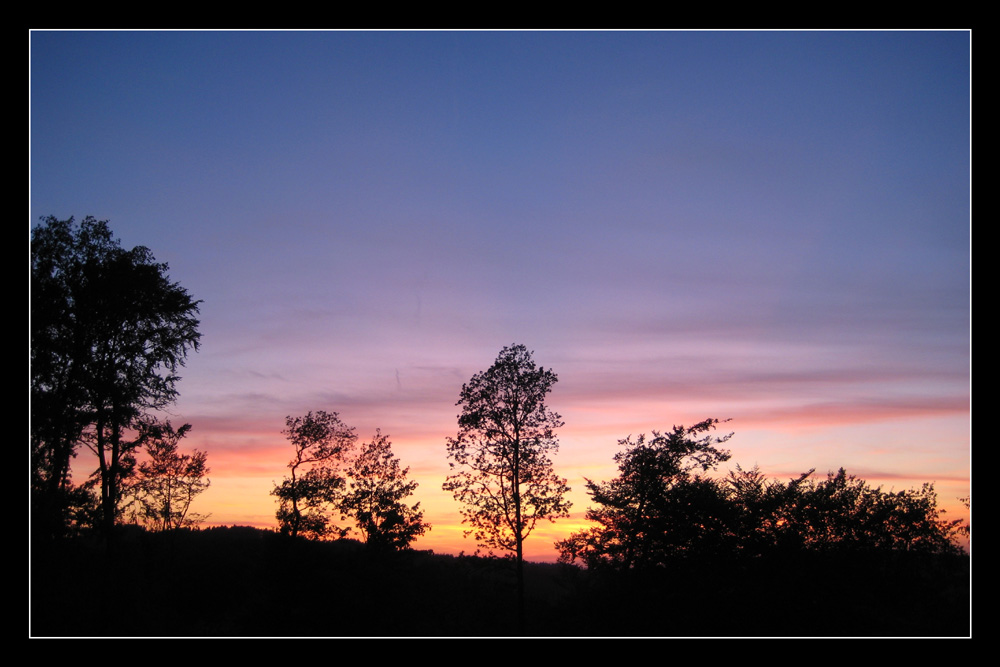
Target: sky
769,227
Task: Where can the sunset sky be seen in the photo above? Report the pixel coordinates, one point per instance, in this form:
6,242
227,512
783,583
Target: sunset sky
772,227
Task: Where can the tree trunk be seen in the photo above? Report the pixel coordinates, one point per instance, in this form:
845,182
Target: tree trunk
518,530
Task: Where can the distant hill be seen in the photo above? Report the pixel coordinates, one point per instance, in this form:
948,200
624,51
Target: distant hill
242,581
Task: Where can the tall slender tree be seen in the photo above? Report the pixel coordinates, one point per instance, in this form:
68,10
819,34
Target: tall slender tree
504,474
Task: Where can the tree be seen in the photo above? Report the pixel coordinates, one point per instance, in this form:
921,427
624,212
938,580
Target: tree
502,452
109,332
164,486
58,355
759,510
661,509
315,486
843,512
660,506
375,501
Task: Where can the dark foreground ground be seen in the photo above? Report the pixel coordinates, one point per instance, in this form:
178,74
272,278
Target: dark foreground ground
247,582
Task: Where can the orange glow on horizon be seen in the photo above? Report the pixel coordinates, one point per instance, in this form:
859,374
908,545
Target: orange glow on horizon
246,463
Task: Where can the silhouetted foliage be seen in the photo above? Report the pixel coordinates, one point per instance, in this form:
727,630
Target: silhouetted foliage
81,511
659,506
844,512
378,487
162,488
757,507
316,485
657,513
109,331
506,435
965,529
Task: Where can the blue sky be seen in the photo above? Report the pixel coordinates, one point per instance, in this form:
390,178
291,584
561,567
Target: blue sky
768,226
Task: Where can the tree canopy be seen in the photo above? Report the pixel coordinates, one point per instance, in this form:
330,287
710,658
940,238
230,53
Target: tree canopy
109,333
378,488
659,503
163,487
843,512
315,486
662,508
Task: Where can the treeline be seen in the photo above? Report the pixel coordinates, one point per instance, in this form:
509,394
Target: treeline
664,508
110,331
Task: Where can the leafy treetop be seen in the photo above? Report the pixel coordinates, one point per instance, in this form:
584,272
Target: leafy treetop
501,455
378,487
315,484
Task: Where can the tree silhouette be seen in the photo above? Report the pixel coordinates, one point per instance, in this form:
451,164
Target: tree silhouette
659,506
964,528
759,510
661,509
844,512
315,487
378,487
109,331
164,486
505,438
